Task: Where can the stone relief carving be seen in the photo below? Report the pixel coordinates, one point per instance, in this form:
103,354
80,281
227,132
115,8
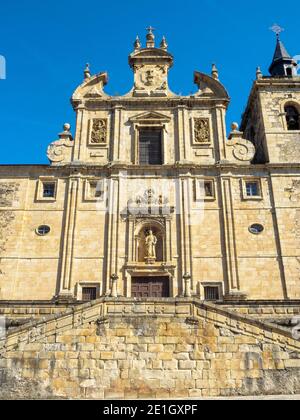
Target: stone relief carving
8,193
99,131
150,78
201,130
149,203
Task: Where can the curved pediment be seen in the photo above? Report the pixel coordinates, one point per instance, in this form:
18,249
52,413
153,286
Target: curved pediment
91,88
208,86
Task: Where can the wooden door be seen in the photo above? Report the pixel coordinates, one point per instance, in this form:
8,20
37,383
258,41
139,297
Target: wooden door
144,287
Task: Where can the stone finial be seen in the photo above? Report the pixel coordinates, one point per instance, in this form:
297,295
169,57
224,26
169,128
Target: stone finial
66,134
137,44
235,127
215,72
150,38
164,44
259,74
87,71
67,127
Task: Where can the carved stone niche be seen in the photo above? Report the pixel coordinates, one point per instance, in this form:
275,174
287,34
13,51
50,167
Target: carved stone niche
142,228
98,132
145,213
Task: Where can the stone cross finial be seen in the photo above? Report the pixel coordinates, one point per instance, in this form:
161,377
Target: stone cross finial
150,37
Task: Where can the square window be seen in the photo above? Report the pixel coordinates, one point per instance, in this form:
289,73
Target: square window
89,294
204,190
94,190
49,189
211,293
252,189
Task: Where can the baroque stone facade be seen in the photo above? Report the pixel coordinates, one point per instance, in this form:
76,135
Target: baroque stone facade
151,200
214,190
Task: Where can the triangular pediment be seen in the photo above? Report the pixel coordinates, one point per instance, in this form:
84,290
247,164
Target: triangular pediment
150,117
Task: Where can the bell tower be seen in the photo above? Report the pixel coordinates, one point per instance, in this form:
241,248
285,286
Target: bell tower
271,119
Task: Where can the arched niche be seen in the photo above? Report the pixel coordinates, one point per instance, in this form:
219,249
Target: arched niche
141,232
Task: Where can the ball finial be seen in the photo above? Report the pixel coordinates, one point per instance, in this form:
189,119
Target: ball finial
67,127
235,126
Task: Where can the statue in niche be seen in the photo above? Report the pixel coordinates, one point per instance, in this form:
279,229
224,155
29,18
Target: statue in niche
150,247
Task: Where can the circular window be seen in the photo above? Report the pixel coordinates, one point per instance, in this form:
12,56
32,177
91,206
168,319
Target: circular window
256,229
43,230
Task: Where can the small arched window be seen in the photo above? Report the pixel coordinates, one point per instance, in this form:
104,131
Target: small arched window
292,117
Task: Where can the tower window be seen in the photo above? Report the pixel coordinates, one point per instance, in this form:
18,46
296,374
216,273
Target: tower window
150,146
292,118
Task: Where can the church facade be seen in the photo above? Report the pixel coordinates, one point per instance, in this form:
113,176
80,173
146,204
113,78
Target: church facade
151,198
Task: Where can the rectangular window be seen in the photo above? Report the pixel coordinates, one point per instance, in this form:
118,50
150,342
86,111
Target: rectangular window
96,189
89,293
211,293
208,189
150,146
252,189
49,190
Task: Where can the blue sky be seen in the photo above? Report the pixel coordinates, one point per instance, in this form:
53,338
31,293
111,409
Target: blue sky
46,45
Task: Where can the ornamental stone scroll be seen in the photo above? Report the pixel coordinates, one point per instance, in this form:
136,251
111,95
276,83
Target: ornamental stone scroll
60,151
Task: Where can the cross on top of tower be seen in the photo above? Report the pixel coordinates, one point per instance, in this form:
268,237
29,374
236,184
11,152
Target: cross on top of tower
150,29
150,37
277,29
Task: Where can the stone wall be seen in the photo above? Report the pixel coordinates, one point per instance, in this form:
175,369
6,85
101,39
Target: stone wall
148,349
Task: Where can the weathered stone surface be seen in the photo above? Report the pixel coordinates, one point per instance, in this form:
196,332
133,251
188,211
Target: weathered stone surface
196,364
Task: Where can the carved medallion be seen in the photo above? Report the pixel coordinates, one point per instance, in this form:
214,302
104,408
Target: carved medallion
201,130
99,131
151,78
